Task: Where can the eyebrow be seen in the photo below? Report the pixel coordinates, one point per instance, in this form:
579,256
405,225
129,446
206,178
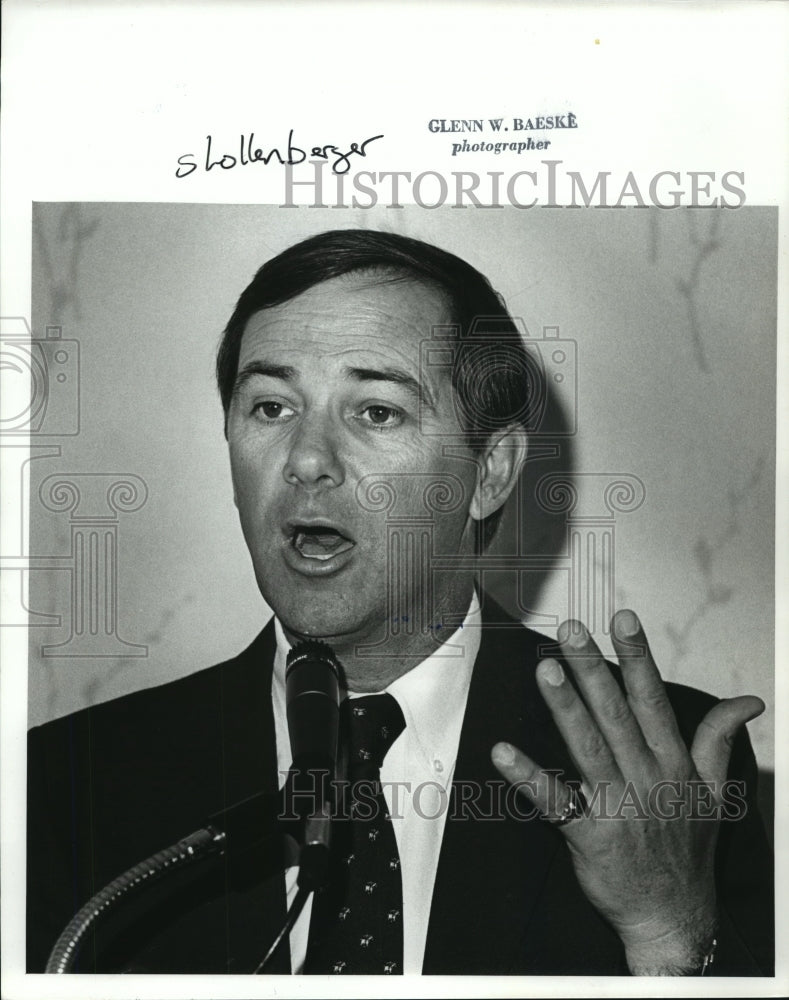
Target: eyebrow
396,376
287,373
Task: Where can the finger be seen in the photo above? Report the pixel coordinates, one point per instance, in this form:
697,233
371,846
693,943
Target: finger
646,691
712,744
543,788
586,743
605,699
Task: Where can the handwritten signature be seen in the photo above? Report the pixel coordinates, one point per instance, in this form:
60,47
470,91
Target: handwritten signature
291,155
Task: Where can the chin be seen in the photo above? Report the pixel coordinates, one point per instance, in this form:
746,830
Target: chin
336,623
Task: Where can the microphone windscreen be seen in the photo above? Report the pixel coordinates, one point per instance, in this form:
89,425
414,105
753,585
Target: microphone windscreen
312,699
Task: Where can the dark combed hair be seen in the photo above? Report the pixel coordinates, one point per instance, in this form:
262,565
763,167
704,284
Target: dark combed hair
494,379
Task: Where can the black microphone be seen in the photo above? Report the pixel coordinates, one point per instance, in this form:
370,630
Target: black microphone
312,702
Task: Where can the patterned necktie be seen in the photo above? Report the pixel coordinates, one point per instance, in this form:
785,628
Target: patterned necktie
357,921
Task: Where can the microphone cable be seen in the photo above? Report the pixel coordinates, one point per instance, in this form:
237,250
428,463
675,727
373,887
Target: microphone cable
293,915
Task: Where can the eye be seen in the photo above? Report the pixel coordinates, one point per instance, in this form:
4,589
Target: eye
270,410
382,416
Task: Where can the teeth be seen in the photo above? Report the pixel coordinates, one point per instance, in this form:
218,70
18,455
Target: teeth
317,555
320,543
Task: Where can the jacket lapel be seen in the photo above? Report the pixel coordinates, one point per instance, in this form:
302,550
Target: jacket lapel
494,862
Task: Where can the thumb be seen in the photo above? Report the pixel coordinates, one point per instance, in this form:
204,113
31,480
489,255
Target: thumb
714,738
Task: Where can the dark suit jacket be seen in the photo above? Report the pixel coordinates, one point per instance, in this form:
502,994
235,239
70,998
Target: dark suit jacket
112,784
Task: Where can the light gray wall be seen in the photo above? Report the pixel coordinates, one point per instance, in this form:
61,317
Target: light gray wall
146,290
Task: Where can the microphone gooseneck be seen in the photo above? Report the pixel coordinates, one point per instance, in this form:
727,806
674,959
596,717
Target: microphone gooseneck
200,844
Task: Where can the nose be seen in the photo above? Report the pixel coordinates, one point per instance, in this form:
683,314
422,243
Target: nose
313,461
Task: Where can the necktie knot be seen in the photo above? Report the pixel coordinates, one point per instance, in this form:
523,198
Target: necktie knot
374,723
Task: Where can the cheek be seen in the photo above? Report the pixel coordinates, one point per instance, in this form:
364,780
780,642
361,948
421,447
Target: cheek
253,482
454,481
434,488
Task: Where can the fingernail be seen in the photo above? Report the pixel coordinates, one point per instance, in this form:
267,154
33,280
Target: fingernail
756,710
503,754
573,634
552,672
626,624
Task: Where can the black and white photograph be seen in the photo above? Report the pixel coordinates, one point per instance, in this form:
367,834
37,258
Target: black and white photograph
395,552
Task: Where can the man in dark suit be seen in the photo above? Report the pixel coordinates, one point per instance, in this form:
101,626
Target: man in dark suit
357,461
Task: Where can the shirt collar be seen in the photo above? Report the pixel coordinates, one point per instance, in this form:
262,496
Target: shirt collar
433,694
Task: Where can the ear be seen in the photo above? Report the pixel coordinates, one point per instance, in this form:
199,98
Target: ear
500,465
233,483
232,477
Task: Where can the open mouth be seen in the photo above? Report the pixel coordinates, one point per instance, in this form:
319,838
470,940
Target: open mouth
319,542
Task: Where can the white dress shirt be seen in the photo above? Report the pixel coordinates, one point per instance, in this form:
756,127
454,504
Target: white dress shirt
416,774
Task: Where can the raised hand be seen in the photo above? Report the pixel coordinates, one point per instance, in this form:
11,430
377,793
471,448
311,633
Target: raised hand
643,843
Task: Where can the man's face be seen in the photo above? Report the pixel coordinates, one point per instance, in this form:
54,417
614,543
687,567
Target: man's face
328,393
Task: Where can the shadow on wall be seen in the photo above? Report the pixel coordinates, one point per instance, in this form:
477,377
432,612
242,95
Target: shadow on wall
532,538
